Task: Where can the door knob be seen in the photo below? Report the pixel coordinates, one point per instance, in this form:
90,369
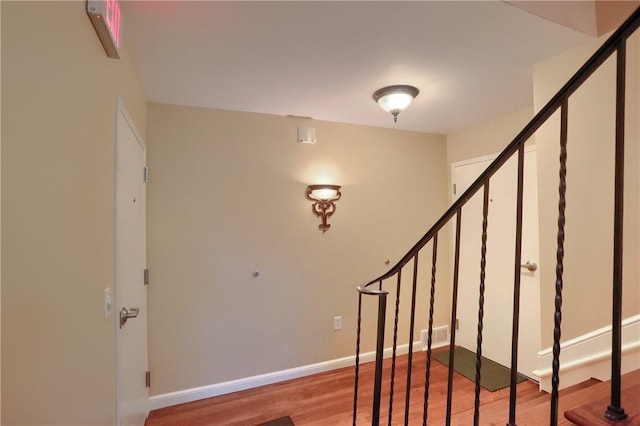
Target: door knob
125,314
530,266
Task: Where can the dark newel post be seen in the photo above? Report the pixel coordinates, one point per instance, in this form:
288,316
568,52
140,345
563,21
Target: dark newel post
377,390
615,412
355,386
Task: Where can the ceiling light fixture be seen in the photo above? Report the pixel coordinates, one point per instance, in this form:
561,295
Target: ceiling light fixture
395,99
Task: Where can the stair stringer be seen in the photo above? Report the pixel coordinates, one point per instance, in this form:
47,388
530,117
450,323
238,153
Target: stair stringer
589,356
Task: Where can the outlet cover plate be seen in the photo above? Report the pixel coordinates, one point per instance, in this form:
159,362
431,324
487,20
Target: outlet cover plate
337,323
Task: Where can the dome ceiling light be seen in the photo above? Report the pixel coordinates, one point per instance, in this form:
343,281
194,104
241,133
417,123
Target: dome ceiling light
395,99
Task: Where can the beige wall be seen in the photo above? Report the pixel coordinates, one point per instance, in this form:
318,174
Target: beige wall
486,138
227,197
594,17
59,100
611,14
0,222
588,246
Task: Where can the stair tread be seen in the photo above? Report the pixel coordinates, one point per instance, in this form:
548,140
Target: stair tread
592,412
589,393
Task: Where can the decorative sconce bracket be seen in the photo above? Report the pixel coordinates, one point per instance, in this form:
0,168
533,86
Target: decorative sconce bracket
324,198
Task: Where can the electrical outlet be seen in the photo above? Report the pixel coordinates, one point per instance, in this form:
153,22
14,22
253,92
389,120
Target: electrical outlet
337,323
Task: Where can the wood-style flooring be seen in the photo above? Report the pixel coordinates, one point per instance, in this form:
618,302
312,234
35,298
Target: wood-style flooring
327,399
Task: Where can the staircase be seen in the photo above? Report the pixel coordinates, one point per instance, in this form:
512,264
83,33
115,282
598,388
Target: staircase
588,408
580,404
586,397
530,410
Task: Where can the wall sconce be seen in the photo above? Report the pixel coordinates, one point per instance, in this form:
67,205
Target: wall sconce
395,99
324,198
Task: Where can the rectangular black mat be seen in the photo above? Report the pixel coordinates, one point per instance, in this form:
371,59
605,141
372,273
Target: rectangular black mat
493,376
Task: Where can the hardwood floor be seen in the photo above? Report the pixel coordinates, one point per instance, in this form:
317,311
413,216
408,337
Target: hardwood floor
327,399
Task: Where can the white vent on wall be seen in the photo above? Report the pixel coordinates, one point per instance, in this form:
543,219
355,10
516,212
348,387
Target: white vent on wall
307,135
439,338
441,334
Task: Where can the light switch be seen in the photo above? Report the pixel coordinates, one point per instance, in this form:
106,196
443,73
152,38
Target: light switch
107,302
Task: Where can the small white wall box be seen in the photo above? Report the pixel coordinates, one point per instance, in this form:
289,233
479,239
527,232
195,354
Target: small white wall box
307,135
106,17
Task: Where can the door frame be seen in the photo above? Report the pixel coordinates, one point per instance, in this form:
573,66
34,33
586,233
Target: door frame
489,158
121,110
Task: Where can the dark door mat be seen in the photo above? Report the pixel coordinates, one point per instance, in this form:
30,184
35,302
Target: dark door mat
282,421
493,376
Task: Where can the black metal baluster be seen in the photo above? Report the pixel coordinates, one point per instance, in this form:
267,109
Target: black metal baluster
483,264
411,325
358,328
377,383
430,329
454,308
559,100
615,412
562,191
395,345
516,290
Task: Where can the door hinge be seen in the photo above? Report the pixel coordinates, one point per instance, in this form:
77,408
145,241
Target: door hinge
147,379
454,189
457,323
146,174
146,276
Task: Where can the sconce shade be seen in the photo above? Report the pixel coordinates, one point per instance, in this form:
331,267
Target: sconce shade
395,99
324,197
324,192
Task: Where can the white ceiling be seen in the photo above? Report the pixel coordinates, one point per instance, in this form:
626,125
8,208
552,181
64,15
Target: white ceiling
471,60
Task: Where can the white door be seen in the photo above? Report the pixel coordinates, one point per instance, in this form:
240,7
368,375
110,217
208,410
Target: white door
130,261
498,305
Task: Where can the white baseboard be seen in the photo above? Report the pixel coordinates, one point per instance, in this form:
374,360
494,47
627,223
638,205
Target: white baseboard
589,356
194,394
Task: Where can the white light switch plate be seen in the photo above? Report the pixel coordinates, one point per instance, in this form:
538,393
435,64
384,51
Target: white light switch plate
107,302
